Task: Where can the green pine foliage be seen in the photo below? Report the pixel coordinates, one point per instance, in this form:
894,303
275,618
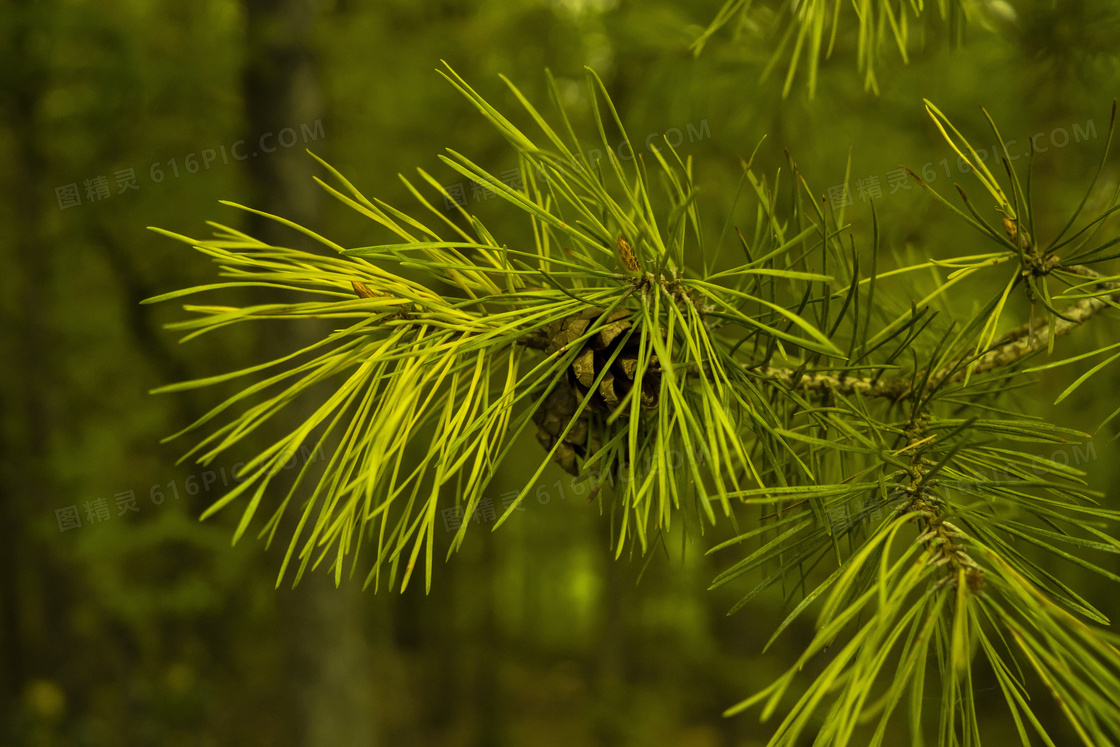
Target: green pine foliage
871,465
807,30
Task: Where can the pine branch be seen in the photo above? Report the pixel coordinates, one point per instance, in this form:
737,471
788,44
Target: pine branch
1014,346
600,334
808,31
939,535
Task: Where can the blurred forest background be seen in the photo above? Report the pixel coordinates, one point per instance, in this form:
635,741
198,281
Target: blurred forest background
126,621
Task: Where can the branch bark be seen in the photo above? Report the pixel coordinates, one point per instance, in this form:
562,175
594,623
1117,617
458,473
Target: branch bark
1012,347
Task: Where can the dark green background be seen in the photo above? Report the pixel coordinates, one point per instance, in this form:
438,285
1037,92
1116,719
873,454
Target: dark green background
146,627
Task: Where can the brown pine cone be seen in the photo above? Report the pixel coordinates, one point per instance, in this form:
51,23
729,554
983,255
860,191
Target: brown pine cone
556,411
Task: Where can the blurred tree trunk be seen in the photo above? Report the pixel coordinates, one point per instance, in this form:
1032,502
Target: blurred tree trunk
610,665
25,487
427,633
329,672
492,728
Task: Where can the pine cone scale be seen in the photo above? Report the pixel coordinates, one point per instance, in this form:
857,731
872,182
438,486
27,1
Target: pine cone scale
577,383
